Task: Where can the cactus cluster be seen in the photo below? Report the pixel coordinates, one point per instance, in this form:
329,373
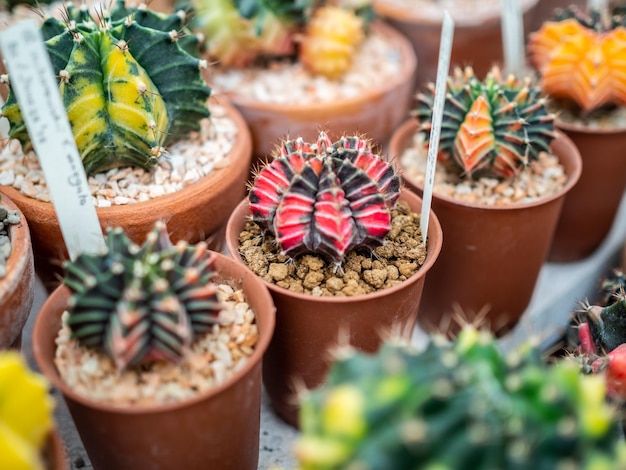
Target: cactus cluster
457,405
129,81
491,128
580,57
25,414
326,198
323,35
140,304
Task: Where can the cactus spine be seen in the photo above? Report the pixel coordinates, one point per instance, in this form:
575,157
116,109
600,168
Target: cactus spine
456,406
139,304
325,198
128,82
580,57
493,128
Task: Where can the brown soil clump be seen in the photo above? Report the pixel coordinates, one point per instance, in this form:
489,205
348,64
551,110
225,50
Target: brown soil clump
399,257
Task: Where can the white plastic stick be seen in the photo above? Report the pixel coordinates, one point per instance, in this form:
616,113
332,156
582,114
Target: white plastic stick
4,124
600,5
33,82
443,67
513,36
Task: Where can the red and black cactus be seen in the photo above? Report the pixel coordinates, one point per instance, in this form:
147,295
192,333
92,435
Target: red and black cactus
325,198
140,304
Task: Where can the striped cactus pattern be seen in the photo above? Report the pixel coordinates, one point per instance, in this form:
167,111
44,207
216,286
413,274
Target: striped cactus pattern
325,198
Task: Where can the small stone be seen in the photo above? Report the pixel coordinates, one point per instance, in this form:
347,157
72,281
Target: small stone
278,271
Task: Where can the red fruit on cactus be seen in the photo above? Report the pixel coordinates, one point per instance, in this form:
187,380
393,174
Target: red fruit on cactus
325,198
616,373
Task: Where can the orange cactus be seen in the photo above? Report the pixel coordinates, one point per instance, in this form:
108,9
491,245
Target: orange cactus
581,62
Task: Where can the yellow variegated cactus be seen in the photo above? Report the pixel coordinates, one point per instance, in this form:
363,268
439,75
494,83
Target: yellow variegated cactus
25,414
582,58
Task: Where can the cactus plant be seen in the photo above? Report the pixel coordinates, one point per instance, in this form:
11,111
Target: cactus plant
128,81
456,406
139,304
323,35
579,56
492,128
325,198
25,414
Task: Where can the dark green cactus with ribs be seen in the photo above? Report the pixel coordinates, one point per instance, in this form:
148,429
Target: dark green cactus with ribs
492,128
142,303
457,405
130,81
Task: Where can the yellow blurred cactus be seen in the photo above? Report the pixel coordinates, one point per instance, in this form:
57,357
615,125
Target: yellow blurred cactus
582,58
25,414
331,40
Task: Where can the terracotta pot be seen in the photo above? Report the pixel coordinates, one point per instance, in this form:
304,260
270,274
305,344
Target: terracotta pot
17,287
217,429
492,255
194,213
375,113
477,39
591,206
307,326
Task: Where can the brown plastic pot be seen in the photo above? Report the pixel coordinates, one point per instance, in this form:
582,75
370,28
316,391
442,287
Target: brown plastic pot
477,39
590,207
17,287
197,212
492,256
217,429
375,113
307,327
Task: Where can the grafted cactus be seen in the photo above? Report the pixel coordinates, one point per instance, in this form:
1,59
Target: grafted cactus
493,128
128,82
25,414
139,304
325,198
457,405
323,35
580,57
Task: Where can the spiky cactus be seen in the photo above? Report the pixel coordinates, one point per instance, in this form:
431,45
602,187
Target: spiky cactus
323,35
25,414
128,82
139,304
612,287
493,128
325,198
457,405
330,41
580,57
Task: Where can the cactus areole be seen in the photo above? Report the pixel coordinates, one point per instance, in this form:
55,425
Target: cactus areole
580,57
493,128
325,198
129,82
139,304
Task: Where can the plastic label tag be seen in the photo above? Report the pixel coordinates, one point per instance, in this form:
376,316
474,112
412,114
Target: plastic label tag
443,67
513,36
33,82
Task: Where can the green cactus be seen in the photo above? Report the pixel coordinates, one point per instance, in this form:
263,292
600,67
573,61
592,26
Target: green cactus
458,405
493,128
128,81
139,304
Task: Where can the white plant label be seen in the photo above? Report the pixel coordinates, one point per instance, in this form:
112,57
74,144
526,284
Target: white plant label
33,82
443,67
597,4
4,124
513,36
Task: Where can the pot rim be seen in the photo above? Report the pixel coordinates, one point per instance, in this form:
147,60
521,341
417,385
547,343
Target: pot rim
408,68
406,14
408,129
582,128
265,319
219,177
21,246
433,245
